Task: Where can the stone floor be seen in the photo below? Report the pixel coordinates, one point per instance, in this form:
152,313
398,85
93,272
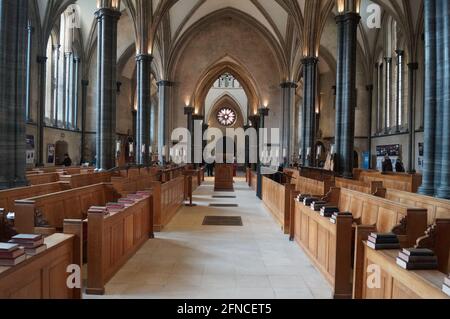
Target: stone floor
191,261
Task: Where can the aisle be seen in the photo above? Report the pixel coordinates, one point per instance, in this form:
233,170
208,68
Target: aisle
188,260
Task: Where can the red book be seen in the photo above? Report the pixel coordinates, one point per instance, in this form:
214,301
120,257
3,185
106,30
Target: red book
31,244
12,254
13,262
26,238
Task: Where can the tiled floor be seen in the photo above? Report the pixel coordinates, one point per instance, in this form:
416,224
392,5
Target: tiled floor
191,261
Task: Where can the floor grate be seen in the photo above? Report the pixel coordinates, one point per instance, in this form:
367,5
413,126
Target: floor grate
223,221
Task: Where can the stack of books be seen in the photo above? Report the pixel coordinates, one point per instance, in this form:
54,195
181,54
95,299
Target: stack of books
309,200
328,211
317,205
127,202
387,241
33,244
333,218
446,286
115,207
301,197
11,255
99,210
417,259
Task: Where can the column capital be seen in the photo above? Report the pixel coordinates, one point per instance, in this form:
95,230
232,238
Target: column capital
189,110
107,12
164,83
413,65
144,57
264,111
310,60
348,17
400,52
369,87
288,85
85,82
388,59
76,59
41,59
197,117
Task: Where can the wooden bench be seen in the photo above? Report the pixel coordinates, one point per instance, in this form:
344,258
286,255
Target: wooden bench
398,181
314,187
45,276
437,208
9,196
114,239
56,207
82,180
276,197
130,185
331,246
397,283
46,178
167,199
359,186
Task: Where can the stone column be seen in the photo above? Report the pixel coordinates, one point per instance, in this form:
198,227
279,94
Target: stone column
443,191
56,85
309,110
107,18
13,49
263,113
412,68
42,70
163,120
387,94
399,100
143,62
369,89
84,89
380,98
430,19
76,70
346,84
287,104
189,112
67,111
29,53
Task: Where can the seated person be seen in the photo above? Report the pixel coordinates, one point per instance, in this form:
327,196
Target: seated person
67,160
387,165
399,167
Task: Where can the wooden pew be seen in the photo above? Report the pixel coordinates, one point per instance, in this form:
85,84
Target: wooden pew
167,199
331,246
82,180
45,276
398,283
437,208
114,239
45,178
70,204
314,187
277,197
253,180
398,181
9,196
369,188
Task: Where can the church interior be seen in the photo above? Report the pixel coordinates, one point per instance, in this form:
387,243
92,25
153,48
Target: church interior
102,195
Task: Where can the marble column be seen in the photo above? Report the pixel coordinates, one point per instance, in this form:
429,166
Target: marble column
84,90
67,111
189,112
30,30
380,99
164,120
107,19
143,119
56,86
443,191
42,70
75,86
287,104
412,69
13,49
369,89
430,20
399,87
346,84
263,113
309,110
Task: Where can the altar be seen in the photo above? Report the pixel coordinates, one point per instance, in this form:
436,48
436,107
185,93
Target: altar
224,181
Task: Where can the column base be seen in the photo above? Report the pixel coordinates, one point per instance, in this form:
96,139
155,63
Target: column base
426,190
443,192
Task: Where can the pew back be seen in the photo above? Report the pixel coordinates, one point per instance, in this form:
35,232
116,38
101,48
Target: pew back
398,181
359,186
82,180
46,178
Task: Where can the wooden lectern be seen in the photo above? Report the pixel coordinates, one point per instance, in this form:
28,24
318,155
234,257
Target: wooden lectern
224,178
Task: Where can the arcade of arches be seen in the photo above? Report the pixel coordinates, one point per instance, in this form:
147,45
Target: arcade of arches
347,83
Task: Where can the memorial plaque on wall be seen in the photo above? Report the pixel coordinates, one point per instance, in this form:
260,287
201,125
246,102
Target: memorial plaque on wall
390,150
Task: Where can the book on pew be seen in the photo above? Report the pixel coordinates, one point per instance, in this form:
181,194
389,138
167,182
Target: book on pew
301,197
317,205
13,262
417,265
333,218
309,200
418,259
383,235
8,247
383,241
418,252
35,251
328,211
383,246
98,210
28,241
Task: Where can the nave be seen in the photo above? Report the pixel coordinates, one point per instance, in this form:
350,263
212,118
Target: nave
190,261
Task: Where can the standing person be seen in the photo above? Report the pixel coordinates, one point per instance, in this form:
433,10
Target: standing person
67,160
387,164
399,167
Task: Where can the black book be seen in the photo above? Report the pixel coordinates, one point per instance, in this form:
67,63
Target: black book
383,246
330,209
383,235
335,215
309,200
417,259
317,206
418,252
388,240
417,266
302,197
